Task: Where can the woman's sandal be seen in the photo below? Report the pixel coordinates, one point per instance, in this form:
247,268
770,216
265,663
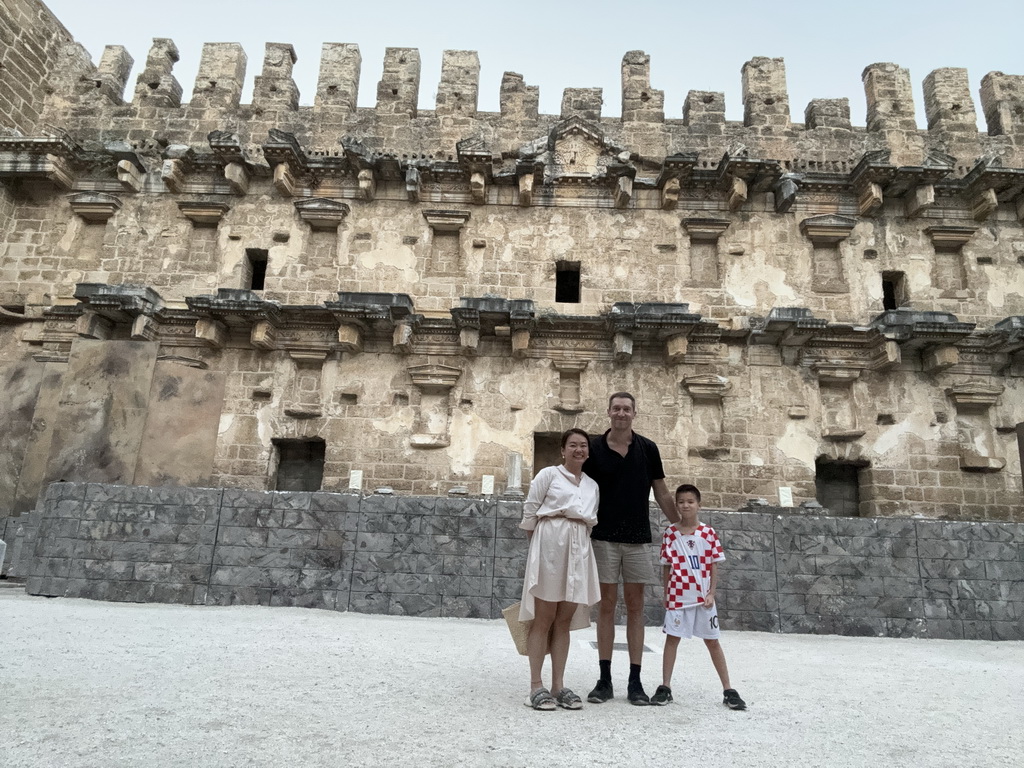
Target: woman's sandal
541,699
566,699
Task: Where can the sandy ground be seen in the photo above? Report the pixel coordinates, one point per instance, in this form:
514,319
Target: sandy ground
87,683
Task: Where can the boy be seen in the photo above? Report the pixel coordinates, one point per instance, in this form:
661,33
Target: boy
690,553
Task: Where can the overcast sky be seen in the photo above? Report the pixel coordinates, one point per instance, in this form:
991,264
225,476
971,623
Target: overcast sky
557,44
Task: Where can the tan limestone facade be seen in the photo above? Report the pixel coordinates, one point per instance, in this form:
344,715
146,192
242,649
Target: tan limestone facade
283,296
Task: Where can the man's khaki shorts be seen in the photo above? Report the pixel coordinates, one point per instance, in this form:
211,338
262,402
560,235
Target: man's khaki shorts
630,563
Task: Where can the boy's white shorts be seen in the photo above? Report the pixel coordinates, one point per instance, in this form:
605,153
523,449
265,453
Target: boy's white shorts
696,621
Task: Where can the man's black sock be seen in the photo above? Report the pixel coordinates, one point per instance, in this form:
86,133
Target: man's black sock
606,669
634,673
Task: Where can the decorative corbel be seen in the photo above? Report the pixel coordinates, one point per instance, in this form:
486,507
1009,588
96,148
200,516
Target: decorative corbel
984,184
785,191
477,159
129,176
202,214
405,328
529,173
867,179
94,207
521,320
263,335
675,170
321,212
918,200
39,157
178,160
212,332
287,159
412,184
467,320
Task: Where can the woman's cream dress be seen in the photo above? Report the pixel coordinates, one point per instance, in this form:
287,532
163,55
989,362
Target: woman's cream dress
560,565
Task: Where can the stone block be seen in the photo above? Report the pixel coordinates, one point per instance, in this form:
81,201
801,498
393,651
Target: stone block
750,621
463,607
326,599
827,113
369,602
765,96
415,605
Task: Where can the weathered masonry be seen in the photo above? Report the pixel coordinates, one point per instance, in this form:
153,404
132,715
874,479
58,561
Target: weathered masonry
300,296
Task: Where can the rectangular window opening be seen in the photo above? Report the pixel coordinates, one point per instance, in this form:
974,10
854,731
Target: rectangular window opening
567,282
894,290
256,272
837,487
300,464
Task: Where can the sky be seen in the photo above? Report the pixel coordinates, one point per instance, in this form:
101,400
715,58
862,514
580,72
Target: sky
561,44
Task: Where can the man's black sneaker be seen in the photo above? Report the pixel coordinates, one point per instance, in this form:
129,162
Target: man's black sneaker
662,696
635,694
601,693
732,699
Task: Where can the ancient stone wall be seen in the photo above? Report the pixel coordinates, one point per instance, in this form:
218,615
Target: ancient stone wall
430,556
420,296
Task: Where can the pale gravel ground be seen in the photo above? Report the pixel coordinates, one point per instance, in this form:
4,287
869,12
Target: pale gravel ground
87,683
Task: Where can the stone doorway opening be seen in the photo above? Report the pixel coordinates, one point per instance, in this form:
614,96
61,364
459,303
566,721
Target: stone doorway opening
300,464
837,486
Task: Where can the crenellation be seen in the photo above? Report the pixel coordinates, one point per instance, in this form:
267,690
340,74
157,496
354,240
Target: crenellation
157,86
582,102
338,85
1002,100
220,78
275,88
827,113
518,101
640,102
704,110
399,86
111,75
948,104
765,96
458,90
890,99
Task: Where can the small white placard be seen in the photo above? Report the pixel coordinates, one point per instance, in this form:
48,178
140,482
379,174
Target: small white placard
355,480
487,485
785,496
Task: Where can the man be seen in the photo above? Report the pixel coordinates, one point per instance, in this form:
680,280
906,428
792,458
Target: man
626,467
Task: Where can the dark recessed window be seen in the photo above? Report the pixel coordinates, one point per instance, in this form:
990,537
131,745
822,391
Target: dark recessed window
567,282
837,487
894,290
256,260
300,465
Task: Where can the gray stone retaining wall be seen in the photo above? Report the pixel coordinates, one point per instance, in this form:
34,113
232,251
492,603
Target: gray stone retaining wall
428,556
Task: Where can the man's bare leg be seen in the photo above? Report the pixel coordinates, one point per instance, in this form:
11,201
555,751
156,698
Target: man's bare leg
634,598
605,642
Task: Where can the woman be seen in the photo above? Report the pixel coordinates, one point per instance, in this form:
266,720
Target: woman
561,573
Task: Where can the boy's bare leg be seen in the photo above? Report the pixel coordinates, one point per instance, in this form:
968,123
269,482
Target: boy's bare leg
718,659
560,645
668,659
634,596
606,620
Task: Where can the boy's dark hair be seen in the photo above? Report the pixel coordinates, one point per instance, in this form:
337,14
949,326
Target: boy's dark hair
573,431
622,396
687,488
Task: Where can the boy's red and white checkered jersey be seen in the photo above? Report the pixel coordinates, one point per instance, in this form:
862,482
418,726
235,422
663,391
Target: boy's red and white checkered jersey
690,556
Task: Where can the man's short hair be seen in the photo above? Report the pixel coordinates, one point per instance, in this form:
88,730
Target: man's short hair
687,488
622,396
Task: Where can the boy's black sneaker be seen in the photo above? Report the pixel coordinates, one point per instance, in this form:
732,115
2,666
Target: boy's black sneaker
662,696
732,699
601,693
635,694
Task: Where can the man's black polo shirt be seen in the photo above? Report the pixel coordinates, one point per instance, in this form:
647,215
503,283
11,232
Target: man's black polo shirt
625,483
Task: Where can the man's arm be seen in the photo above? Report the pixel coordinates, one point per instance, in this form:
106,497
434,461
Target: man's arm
665,500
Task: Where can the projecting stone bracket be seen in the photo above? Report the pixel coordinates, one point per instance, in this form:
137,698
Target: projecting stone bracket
201,213
322,213
94,207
